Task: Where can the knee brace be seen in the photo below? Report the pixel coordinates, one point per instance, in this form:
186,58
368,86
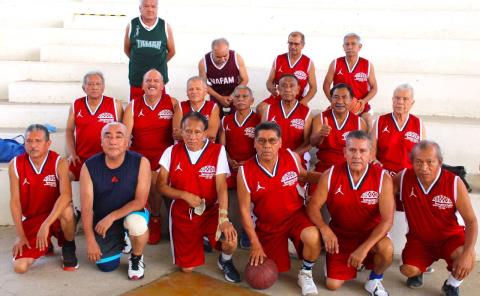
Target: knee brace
135,224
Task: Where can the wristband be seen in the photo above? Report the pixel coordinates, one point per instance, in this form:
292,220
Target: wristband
222,211
221,220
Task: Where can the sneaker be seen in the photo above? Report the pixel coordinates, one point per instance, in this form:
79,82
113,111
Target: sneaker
415,281
305,281
136,268
231,273
430,269
361,268
155,229
206,245
448,290
70,261
127,249
375,288
244,241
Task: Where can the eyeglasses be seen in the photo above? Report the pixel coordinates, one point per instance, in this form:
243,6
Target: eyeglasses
271,141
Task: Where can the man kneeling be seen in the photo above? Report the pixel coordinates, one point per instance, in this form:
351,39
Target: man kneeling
114,187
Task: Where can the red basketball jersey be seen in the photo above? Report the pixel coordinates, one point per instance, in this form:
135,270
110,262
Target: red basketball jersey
330,151
198,178
89,124
300,69
206,109
431,213
356,78
225,78
292,124
274,195
152,128
394,143
354,207
239,136
39,189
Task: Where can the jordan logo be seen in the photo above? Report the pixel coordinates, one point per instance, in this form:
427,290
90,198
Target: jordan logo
340,72
141,113
339,190
259,187
385,130
273,118
178,168
79,114
25,182
227,128
280,69
413,193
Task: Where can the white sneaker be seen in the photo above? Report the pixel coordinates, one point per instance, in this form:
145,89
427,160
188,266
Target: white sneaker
375,288
305,281
136,268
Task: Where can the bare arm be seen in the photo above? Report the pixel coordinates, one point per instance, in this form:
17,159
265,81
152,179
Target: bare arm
119,107
86,200
213,123
176,121
243,70
70,136
315,137
170,43
327,82
312,83
372,81
424,132
373,136
271,87
126,41
15,205
165,189
128,118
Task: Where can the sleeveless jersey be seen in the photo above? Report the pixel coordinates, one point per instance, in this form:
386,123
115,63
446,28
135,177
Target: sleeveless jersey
152,128
39,189
89,124
148,49
112,188
430,213
330,151
395,143
292,124
239,137
300,69
225,78
198,178
274,196
356,78
354,207
205,110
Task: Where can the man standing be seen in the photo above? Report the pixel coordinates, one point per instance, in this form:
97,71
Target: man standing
114,188
359,198
41,202
193,173
269,181
223,69
433,198
86,118
149,122
355,71
149,44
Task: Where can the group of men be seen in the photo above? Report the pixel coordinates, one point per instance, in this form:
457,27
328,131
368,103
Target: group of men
128,161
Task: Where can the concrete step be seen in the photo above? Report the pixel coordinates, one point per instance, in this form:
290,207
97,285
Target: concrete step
21,115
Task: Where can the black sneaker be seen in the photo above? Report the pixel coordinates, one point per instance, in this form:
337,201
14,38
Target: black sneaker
415,281
244,241
448,290
70,261
206,245
231,273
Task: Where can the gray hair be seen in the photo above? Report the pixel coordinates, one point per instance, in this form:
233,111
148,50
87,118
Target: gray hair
107,126
424,145
196,78
404,86
140,2
93,73
243,87
219,41
359,135
297,33
352,35
152,70
38,127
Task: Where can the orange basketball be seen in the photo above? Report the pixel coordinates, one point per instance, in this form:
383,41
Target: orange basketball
355,106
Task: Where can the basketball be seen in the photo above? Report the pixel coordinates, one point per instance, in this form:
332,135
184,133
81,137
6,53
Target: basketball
355,106
262,276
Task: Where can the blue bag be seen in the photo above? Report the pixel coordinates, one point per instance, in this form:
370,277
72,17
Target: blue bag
9,148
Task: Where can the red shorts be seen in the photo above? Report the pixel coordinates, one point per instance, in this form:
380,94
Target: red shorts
337,264
275,243
75,169
422,255
31,227
187,232
136,92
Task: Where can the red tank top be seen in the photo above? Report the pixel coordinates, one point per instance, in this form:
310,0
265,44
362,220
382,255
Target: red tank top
239,137
223,79
394,143
354,207
198,178
205,110
274,196
330,152
39,190
300,69
431,213
152,128
89,124
292,124
356,78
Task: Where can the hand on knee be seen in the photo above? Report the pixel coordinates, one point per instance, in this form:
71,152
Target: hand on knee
135,224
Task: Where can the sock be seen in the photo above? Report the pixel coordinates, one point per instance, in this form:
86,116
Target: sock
67,243
136,256
307,265
453,281
374,276
226,257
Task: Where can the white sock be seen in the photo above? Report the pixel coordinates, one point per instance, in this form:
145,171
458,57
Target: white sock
453,281
226,257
